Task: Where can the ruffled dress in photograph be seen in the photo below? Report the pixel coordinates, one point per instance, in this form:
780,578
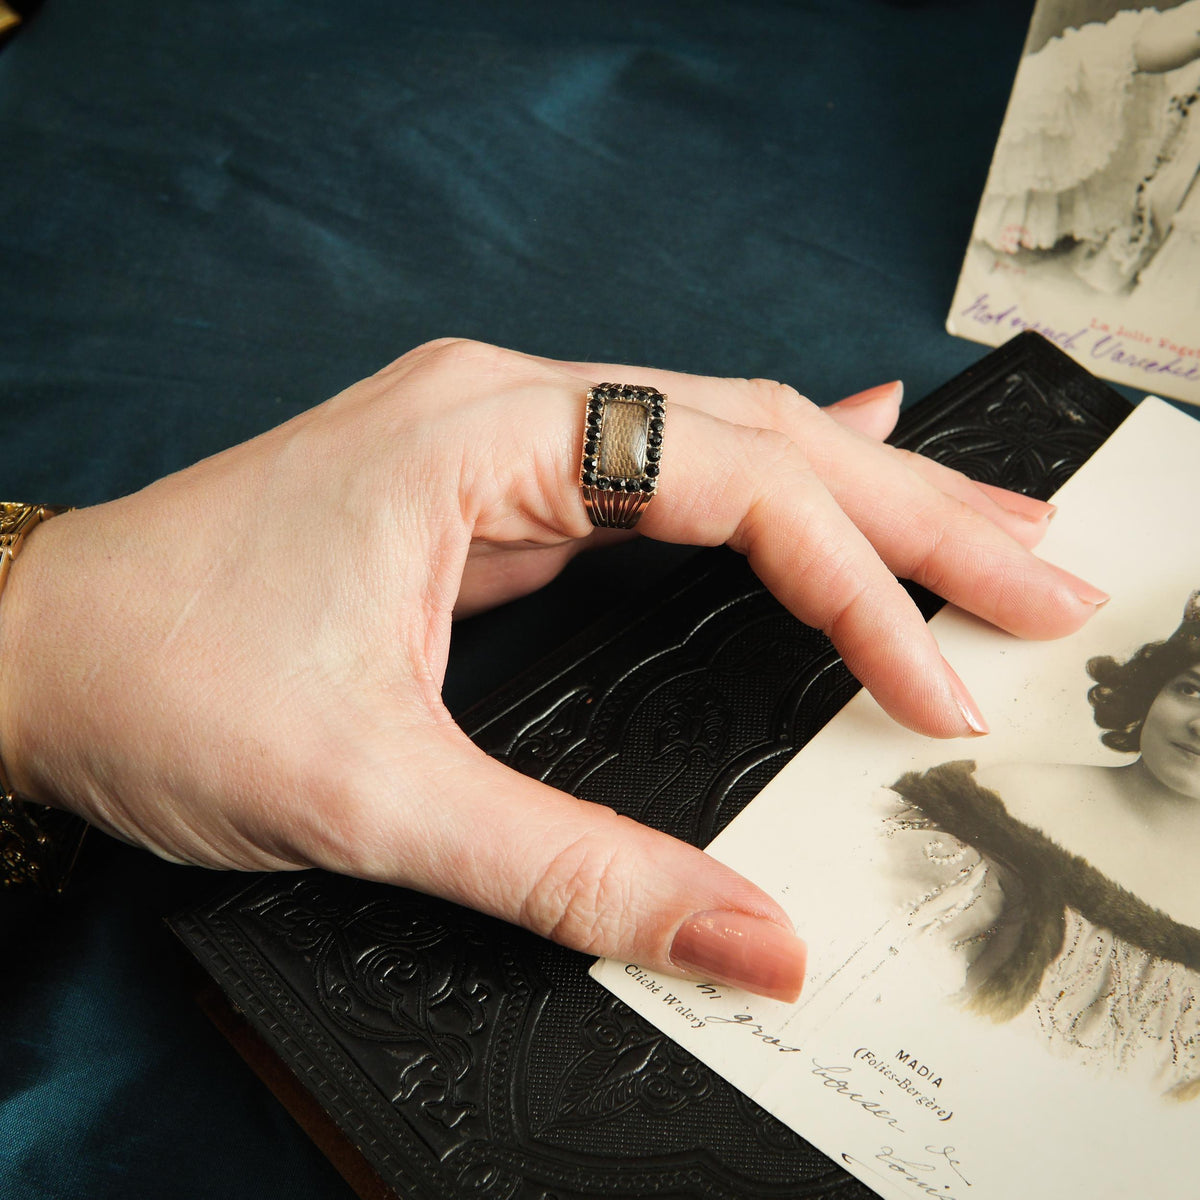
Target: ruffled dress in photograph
1091,152
1106,979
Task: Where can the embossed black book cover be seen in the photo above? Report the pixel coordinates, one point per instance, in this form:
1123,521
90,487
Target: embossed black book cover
434,1052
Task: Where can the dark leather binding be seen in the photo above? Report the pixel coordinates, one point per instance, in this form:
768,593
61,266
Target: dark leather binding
440,1053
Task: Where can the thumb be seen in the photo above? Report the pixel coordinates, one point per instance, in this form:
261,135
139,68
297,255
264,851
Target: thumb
582,875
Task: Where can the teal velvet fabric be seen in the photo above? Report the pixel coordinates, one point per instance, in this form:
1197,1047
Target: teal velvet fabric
213,216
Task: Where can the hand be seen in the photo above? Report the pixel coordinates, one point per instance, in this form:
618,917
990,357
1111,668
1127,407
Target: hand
240,665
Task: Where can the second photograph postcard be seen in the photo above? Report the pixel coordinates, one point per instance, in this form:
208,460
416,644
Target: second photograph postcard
1089,227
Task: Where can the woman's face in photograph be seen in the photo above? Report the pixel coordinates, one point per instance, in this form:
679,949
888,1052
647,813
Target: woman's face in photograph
1171,734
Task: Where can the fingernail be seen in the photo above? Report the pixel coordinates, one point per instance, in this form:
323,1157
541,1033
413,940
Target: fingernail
1085,591
743,951
893,391
1028,507
966,704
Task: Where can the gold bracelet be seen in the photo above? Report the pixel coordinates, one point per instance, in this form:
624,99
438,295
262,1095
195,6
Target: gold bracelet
38,845
17,521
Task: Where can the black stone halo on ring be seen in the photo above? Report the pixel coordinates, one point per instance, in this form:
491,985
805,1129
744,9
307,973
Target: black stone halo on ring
622,450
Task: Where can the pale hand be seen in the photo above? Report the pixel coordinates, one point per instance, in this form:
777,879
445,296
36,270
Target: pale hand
240,666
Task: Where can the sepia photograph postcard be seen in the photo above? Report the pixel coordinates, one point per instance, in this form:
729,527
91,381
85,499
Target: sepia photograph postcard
1089,227
1003,990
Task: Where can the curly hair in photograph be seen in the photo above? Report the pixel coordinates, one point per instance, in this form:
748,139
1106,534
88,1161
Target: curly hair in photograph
1123,691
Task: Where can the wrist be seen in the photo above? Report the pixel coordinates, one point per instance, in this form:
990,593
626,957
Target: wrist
23,540
38,846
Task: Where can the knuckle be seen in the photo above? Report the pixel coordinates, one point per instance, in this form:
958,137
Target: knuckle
848,593
765,454
438,345
775,467
457,347
466,355
939,544
452,354
778,402
579,899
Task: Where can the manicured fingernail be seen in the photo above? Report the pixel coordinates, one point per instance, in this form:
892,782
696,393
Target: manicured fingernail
1028,507
1085,591
743,951
976,725
893,391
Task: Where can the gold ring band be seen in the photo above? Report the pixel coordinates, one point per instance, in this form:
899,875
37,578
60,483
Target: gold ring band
622,451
